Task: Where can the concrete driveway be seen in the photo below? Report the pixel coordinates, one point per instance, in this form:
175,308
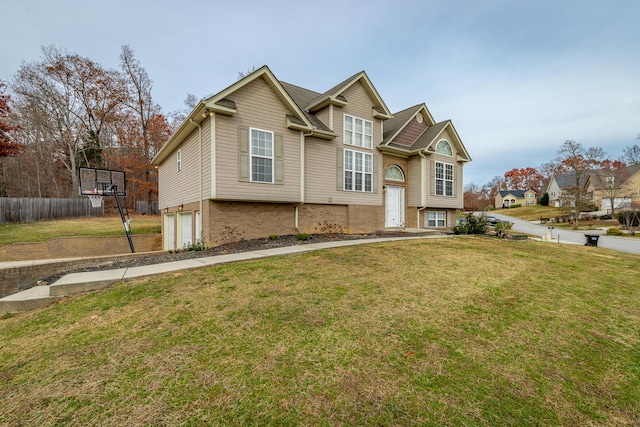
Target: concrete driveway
622,244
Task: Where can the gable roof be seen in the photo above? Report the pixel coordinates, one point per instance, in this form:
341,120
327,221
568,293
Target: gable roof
597,181
219,103
335,96
569,180
400,119
519,194
425,142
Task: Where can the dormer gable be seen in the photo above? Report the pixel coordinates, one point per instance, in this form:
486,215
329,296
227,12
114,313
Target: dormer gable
413,131
335,96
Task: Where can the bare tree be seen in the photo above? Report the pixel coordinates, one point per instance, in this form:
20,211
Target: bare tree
243,74
612,175
631,154
69,98
578,161
140,102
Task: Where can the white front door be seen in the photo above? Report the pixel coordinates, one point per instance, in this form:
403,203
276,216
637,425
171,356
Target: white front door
185,230
169,233
394,207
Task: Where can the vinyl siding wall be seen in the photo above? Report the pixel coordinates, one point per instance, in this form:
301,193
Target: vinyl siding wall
457,201
258,106
321,156
180,187
414,186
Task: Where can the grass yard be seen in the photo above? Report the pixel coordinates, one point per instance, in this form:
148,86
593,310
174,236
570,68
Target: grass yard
533,213
458,331
41,231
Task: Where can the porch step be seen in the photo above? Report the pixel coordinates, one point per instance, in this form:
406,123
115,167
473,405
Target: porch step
408,232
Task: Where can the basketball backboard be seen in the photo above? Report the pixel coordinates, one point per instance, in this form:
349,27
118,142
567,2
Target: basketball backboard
102,182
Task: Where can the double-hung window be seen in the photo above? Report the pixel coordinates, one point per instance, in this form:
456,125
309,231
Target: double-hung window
357,132
444,179
436,219
358,171
261,156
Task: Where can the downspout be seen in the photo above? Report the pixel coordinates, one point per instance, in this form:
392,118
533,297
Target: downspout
423,192
199,173
296,224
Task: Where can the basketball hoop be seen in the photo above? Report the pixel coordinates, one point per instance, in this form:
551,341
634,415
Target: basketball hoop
96,200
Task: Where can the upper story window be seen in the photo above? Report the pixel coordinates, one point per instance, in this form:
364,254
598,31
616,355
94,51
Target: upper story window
357,132
394,173
443,147
179,160
261,156
358,171
444,179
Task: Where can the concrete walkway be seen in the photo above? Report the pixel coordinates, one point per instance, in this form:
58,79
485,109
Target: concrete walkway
75,283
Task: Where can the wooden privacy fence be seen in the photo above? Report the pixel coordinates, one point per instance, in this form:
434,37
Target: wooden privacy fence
32,209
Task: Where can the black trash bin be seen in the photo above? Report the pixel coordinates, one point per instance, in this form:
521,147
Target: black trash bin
592,239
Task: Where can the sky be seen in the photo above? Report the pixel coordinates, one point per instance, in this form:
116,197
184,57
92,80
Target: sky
517,78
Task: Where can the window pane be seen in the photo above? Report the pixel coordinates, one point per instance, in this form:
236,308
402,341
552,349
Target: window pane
368,163
368,127
261,169
439,187
348,123
449,172
358,162
439,170
448,188
358,125
358,186
348,160
367,141
367,182
348,180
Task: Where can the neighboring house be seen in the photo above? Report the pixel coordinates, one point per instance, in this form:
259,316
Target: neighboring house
558,184
599,185
508,198
264,157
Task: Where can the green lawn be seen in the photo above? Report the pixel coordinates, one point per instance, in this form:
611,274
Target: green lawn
460,331
41,231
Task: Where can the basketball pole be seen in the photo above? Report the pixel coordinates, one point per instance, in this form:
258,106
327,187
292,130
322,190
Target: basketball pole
125,223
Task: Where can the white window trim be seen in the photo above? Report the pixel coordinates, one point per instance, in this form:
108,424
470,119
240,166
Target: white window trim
354,170
450,148
252,155
179,160
444,179
439,216
368,145
394,179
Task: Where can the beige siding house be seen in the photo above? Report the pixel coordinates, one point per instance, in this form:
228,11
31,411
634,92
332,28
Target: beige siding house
508,198
264,157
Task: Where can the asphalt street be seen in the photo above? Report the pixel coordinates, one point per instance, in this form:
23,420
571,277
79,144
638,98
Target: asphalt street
622,244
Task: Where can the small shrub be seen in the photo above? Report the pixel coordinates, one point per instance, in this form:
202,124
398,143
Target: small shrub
503,229
198,245
301,237
471,224
515,205
273,237
613,231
